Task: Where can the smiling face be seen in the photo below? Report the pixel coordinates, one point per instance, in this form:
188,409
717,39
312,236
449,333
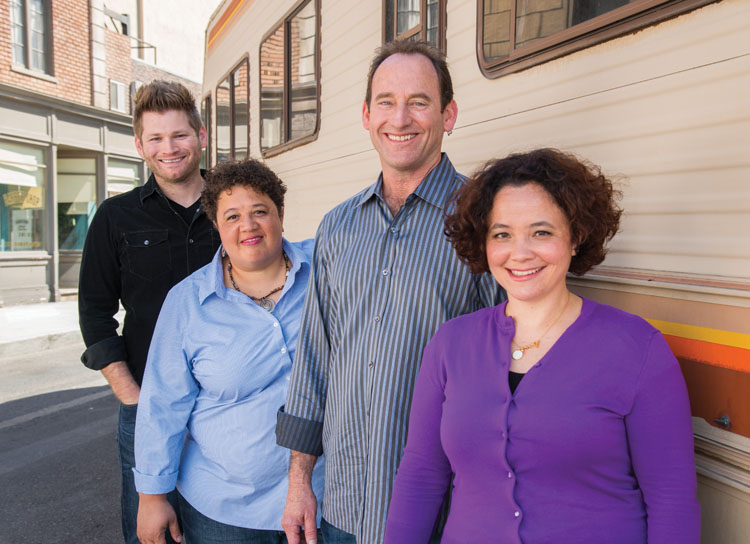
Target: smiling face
528,243
250,228
170,146
404,119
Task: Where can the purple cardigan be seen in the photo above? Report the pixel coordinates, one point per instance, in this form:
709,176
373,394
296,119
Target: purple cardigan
595,446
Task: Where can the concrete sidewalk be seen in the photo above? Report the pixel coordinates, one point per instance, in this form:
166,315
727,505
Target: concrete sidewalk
34,327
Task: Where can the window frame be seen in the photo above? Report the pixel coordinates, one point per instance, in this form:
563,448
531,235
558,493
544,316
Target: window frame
122,104
229,76
206,104
617,22
48,58
421,28
286,104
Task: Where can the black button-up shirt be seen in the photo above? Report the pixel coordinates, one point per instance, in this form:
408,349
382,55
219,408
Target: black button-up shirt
137,248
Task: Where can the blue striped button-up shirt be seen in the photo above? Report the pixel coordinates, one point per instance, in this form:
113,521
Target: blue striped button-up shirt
381,287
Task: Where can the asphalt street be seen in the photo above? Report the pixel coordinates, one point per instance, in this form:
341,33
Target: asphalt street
59,476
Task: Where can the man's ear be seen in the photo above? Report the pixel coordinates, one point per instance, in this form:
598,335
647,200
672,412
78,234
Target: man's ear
139,147
365,115
450,115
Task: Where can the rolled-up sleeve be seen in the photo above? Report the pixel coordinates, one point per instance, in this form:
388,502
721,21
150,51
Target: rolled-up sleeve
99,294
300,422
166,402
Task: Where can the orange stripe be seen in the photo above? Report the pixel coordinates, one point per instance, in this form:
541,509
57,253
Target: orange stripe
709,353
223,20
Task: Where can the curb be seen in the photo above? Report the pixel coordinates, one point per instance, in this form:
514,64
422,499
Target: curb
40,343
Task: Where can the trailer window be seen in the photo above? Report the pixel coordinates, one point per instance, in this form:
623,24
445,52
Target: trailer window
422,20
206,118
232,114
516,34
289,81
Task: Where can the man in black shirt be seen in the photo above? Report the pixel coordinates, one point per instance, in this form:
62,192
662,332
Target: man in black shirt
139,245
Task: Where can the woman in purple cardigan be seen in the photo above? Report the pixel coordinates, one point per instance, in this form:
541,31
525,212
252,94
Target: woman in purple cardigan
565,421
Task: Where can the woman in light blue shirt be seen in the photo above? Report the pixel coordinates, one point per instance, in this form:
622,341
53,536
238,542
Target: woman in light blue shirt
218,370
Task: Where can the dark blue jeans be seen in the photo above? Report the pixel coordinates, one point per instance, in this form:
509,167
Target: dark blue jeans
334,535
129,496
200,529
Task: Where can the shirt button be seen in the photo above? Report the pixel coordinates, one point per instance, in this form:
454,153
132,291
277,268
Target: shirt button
372,364
516,513
377,318
283,350
190,241
146,242
502,435
510,475
394,230
275,323
385,271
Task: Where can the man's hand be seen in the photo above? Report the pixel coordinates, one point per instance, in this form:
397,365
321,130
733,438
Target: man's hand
155,515
301,505
121,381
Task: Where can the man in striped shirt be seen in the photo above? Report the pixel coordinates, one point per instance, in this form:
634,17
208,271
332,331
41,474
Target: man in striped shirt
384,279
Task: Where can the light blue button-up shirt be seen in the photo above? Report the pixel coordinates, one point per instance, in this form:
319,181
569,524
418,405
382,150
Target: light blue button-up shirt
218,369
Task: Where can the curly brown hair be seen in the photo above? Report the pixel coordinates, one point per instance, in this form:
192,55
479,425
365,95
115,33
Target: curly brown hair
246,173
583,193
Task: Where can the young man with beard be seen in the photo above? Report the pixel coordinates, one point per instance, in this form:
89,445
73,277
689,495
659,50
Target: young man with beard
139,245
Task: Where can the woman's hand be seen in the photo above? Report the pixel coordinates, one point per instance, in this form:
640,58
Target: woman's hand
155,515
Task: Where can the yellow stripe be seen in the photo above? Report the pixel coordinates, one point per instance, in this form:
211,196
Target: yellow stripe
716,336
221,28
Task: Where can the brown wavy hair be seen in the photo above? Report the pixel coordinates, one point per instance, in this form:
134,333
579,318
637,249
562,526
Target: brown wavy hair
583,193
160,96
248,173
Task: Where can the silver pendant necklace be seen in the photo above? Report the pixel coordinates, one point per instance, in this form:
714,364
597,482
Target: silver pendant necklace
268,304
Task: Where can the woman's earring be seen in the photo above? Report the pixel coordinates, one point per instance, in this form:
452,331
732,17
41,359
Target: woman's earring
223,252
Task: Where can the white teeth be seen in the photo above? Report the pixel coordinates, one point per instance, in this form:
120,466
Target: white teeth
400,138
525,272
171,160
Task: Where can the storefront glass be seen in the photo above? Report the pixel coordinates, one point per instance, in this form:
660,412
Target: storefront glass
76,200
122,176
22,173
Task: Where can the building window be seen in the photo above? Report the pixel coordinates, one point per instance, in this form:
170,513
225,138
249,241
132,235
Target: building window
22,174
232,114
29,22
122,176
206,118
289,76
119,99
517,34
76,200
419,20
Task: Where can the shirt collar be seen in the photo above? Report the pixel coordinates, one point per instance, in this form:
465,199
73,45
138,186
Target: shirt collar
436,188
151,187
214,274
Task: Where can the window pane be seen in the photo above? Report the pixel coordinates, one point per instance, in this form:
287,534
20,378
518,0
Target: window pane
536,19
432,22
239,110
22,203
407,15
76,200
223,150
272,89
38,61
18,32
206,119
496,31
122,176
304,85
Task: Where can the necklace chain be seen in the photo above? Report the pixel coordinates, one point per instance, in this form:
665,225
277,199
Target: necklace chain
520,350
264,302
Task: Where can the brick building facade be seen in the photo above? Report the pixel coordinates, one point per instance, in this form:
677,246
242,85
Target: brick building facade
66,143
